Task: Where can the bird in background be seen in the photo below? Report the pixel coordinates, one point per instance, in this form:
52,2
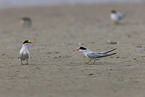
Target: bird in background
24,54
93,55
116,17
26,22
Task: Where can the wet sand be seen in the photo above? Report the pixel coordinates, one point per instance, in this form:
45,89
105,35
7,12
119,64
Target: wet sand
54,70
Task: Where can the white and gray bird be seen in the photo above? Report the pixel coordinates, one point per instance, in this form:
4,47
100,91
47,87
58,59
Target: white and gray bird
24,54
93,55
26,22
116,17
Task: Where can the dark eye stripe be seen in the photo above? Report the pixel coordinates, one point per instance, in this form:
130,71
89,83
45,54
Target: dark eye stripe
82,48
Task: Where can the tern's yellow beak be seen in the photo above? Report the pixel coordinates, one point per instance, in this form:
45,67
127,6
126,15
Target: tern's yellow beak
76,49
32,42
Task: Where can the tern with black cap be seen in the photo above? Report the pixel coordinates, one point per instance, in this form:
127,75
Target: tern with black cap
93,55
24,54
116,16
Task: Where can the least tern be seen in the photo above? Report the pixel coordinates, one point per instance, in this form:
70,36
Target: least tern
24,54
26,22
116,16
93,55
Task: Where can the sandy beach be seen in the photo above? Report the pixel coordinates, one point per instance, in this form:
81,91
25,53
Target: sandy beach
55,70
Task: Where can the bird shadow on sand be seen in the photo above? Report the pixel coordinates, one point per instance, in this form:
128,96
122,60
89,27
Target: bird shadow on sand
36,64
97,63
100,63
91,63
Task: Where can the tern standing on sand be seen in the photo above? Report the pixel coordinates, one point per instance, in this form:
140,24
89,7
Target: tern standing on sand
116,17
24,54
93,55
26,22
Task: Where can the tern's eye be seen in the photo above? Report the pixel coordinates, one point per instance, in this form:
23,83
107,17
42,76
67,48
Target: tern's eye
82,48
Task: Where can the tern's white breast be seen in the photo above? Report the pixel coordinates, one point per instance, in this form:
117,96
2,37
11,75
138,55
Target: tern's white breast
24,54
114,17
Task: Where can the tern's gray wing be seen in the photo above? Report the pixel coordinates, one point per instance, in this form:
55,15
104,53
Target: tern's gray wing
120,16
107,51
92,55
96,55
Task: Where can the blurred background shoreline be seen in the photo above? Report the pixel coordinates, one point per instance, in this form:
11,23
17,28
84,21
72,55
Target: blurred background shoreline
33,3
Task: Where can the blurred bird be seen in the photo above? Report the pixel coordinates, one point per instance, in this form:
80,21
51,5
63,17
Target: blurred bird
93,55
24,54
116,16
26,22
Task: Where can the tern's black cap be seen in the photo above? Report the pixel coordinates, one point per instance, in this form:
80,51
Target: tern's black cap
26,19
82,48
26,41
113,11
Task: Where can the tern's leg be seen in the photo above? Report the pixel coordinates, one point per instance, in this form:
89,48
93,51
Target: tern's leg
21,62
94,62
27,62
88,62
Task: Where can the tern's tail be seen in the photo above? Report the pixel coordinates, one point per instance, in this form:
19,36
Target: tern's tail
105,55
107,51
